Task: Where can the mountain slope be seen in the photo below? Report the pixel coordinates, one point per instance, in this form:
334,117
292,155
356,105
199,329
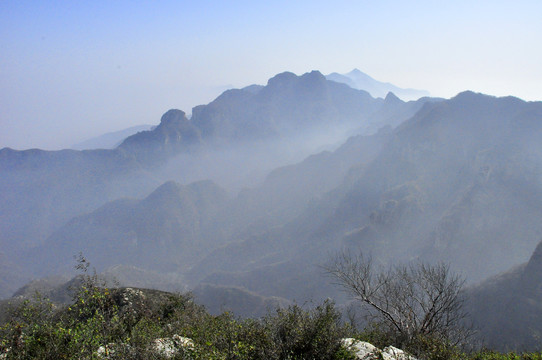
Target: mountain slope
166,231
507,308
41,190
460,176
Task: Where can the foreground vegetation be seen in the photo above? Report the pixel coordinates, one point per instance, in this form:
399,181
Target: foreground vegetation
147,324
135,324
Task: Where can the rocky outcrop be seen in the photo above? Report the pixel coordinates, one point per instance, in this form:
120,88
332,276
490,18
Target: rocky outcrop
171,347
175,134
366,351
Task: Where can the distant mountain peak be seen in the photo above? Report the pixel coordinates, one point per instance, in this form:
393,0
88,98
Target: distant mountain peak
174,134
173,117
468,94
314,74
313,78
471,97
358,73
281,78
361,81
392,98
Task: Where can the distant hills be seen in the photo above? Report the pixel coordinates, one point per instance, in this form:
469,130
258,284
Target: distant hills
359,80
110,140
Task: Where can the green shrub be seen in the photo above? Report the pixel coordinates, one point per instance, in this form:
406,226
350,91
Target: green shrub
307,334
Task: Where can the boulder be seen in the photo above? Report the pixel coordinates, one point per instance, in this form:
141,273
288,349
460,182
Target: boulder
366,351
397,354
170,347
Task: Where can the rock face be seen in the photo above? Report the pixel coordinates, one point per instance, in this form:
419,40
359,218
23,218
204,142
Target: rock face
174,135
366,351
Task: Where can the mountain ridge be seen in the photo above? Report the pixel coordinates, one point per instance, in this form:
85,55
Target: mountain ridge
359,80
62,184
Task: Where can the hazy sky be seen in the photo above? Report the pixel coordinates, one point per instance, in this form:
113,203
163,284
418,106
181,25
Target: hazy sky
71,70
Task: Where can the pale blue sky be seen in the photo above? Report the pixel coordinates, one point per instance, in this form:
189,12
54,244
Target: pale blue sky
70,70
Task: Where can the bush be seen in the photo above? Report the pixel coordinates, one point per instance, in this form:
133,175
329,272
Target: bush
97,322
312,334
128,323
408,302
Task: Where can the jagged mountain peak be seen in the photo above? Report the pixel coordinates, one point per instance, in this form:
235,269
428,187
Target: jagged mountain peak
174,134
391,98
173,117
281,78
289,78
314,74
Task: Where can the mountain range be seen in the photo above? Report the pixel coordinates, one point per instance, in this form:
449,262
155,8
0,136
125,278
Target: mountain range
359,80
41,190
438,180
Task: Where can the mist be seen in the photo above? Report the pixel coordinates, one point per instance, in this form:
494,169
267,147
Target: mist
263,185
233,149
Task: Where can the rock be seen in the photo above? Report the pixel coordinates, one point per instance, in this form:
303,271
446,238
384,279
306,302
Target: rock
366,351
363,350
115,351
397,354
163,347
169,347
4,355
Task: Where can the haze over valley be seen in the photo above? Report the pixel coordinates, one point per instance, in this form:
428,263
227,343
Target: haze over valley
245,194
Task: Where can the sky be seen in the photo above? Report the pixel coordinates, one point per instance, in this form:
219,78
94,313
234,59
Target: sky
72,70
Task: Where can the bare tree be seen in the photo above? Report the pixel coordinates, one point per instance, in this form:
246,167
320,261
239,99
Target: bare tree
408,301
